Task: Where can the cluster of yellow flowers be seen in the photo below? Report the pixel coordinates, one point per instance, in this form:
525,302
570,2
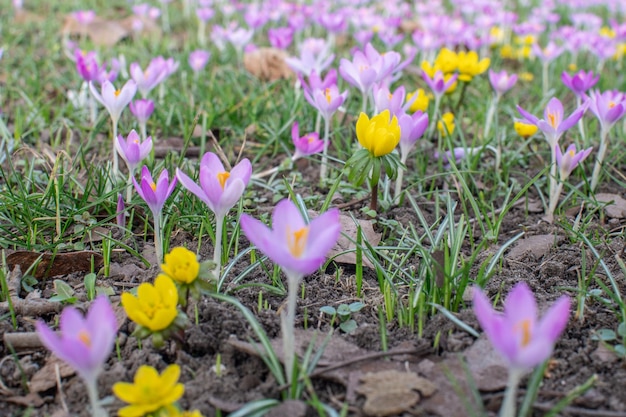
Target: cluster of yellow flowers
467,64
152,394
520,49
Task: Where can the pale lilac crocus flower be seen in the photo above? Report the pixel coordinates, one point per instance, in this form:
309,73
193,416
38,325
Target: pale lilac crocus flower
299,249
501,82
566,163
219,189
394,102
281,37
85,343
546,56
198,60
306,145
133,151
115,101
155,194
518,335
84,17
315,56
412,127
149,78
579,83
608,107
204,14
142,109
438,85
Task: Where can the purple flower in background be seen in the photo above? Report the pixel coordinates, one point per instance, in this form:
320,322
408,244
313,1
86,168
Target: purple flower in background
368,67
318,83
154,193
549,53
133,150
142,109
333,22
219,189
326,101
568,161
198,59
553,125
314,56
115,101
458,154
608,106
87,65
306,145
580,82
84,17
385,100
85,343
412,127
297,247
149,78
205,13
280,38
239,37
522,339
438,84
502,81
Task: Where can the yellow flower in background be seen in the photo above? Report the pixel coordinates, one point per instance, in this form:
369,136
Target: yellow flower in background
380,135
507,52
447,61
154,307
607,32
526,76
525,40
181,265
496,35
469,65
149,391
525,130
420,103
448,120
524,52
178,413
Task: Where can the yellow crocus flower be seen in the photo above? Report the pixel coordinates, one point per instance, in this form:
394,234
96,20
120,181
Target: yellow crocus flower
181,265
525,130
447,61
380,135
149,391
420,103
154,307
470,66
448,120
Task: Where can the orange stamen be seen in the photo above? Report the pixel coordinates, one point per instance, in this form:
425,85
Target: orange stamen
83,336
222,177
117,92
552,120
524,327
153,186
328,96
296,241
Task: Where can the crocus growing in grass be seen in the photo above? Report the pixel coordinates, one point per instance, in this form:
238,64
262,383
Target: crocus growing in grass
142,109
438,84
150,393
608,107
553,125
115,101
198,60
412,127
85,343
133,151
220,190
306,145
579,83
299,249
522,339
566,163
155,194
501,82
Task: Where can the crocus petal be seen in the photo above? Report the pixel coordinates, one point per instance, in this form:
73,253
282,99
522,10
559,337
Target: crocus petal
555,319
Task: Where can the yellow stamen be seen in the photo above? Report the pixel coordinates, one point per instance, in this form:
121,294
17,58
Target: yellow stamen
311,139
296,241
117,92
328,96
524,327
83,336
611,104
222,177
572,153
153,186
552,120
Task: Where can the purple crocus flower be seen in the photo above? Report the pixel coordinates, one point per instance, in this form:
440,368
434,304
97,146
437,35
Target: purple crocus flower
502,81
142,109
522,339
394,102
205,13
326,101
568,161
280,38
87,65
85,343
297,247
438,83
198,59
315,82
219,189
314,56
549,53
412,127
580,82
149,78
306,145
154,193
368,67
115,101
608,106
553,125
132,149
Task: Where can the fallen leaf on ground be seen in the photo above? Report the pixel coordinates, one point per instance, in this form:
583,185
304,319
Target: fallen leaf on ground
29,400
102,32
617,205
537,245
347,240
267,64
46,377
291,408
53,265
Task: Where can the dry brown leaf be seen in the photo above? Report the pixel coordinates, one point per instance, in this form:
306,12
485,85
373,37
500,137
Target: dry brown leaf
392,392
24,16
53,265
616,208
29,400
267,64
102,32
537,245
141,25
348,237
46,377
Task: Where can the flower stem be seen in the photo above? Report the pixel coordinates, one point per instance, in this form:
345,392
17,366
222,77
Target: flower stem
116,165
510,395
398,188
129,187
545,78
94,399
595,178
490,113
554,200
324,166
158,246
581,125
431,129
217,247
288,322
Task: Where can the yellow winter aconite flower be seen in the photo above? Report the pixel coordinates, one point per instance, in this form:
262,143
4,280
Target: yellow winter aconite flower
447,61
607,32
525,130
177,413
448,119
420,103
526,76
150,391
154,307
470,66
181,265
380,134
